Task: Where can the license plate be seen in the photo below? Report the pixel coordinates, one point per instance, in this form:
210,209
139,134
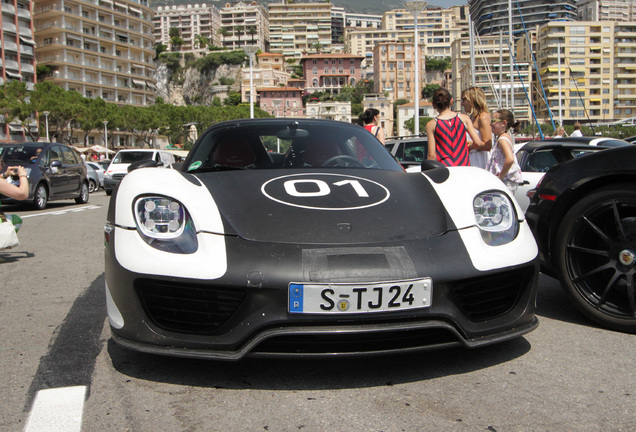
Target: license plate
319,298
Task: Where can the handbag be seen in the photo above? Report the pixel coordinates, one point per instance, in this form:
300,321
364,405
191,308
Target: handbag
8,236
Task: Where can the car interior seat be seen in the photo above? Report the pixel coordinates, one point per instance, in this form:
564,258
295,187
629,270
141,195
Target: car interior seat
234,152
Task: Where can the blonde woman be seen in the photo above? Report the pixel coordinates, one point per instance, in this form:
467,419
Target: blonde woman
474,104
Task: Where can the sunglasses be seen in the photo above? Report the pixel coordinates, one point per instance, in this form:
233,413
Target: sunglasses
495,120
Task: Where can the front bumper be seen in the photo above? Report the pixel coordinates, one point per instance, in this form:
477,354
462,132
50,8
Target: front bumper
245,312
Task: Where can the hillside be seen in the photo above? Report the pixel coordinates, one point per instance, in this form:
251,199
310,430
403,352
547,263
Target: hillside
368,6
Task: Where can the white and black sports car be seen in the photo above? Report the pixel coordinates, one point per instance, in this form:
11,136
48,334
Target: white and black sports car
306,237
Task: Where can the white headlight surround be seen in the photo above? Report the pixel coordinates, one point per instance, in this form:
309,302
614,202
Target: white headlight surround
165,224
496,217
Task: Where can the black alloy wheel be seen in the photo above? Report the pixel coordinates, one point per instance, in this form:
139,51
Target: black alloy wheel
596,256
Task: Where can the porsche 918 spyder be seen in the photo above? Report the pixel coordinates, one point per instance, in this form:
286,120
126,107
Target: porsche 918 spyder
294,237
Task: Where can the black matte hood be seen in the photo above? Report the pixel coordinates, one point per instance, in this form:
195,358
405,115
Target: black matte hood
327,207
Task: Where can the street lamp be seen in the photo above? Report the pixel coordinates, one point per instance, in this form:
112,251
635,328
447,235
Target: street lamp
105,133
46,122
415,7
250,50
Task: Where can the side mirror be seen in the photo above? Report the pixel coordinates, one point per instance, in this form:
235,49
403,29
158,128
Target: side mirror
148,163
431,164
56,164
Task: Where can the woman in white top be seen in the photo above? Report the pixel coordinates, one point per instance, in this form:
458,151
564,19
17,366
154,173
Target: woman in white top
503,161
474,104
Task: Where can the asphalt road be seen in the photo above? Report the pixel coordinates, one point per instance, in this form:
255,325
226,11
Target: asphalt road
59,365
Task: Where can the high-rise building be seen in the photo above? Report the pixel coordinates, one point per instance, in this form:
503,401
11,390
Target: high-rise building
18,60
297,29
593,63
492,17
606,10
244,23
394,69
197,24
492,70
98,48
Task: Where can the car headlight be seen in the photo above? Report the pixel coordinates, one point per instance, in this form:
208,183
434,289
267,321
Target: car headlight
108,175
496,218
165,224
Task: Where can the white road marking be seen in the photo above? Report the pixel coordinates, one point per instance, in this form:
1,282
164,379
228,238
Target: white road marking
58,409
61,212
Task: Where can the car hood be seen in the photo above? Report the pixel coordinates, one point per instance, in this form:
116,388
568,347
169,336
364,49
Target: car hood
327,207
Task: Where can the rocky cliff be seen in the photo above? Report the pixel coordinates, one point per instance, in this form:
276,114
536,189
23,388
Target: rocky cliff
191,87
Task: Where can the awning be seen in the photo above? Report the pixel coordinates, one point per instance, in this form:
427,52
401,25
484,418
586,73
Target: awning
577,69
106,1
27,40
138,66
134,10
13,75
16,128
123,6
139,82
595,99
151,85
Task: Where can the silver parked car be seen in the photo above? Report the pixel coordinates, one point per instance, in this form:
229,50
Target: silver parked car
93,178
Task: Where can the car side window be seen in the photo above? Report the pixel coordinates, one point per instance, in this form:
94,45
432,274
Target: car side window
541,161
68,156
55,154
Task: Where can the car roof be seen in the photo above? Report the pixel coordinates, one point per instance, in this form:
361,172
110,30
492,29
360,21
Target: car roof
574,142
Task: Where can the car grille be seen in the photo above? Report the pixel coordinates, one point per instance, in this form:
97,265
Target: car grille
491,296
187,308
118,176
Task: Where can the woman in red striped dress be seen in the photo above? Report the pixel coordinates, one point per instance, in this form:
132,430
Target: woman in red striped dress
447,133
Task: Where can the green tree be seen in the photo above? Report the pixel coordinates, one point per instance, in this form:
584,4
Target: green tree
436,64
224,32
253,32
237,31
175,38
428,90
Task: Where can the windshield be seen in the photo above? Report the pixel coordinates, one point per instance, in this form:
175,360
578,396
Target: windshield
132,156
274,144
24,153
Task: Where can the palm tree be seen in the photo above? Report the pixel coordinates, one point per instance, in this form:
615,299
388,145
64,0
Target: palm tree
224,32
200,41
238,30
252,31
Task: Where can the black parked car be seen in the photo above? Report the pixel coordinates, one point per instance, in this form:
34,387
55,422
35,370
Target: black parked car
583,216
56,171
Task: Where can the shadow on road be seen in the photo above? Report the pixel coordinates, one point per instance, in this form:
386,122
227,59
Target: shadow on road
554,303
11,256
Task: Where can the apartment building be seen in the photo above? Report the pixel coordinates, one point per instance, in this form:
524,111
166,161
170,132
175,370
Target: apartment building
394,69
17,58
196,23
282,101
606,10
492,70
437,28
269,71
329,110
244,23
491,17
297,29
331,72
98,48
594,65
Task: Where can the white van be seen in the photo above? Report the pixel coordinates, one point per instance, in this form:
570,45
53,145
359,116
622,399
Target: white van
118,167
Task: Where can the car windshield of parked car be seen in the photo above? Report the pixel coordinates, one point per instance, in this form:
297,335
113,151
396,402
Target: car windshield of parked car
276,146
132,156
20,153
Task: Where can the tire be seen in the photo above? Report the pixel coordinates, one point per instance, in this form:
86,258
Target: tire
40,197
595,254
83,196
92,186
